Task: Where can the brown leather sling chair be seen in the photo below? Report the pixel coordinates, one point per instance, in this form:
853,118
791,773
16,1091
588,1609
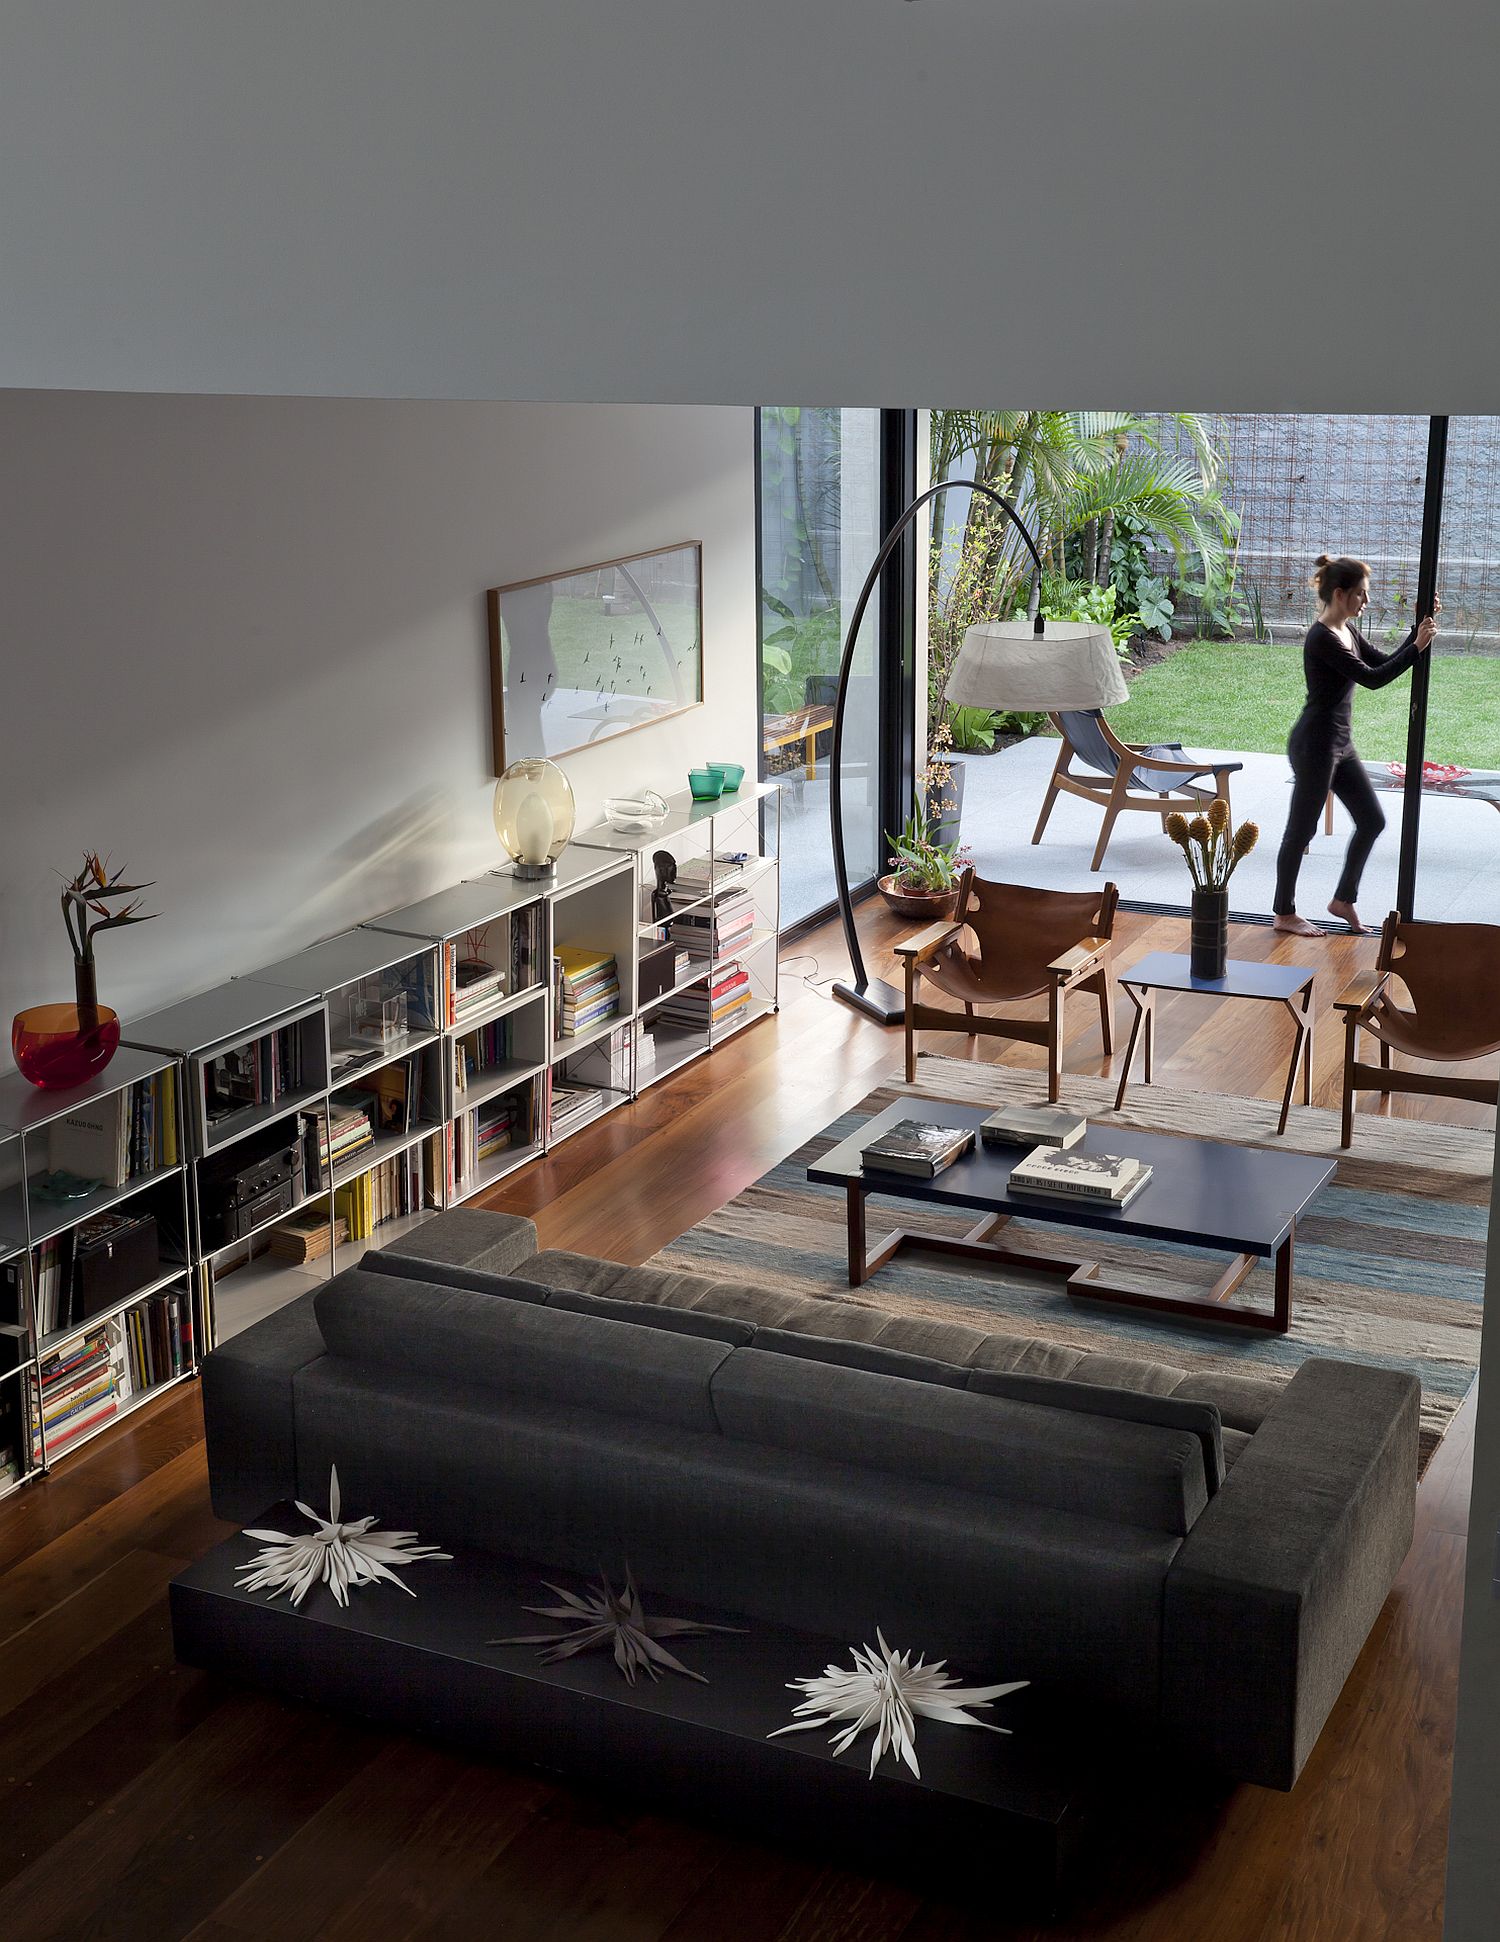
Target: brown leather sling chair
1008,943
1451,974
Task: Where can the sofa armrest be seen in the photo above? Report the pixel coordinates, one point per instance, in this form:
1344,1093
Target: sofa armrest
469,1237
247,1409
1274,1590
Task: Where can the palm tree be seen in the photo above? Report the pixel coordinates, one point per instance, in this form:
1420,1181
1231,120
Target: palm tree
1071,475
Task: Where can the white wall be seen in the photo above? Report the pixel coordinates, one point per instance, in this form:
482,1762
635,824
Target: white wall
245,649
1186,204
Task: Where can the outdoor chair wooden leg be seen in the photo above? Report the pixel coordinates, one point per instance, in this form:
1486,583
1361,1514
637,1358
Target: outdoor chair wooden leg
1385,1066
1049,797
1116,798
969,1016
1221,785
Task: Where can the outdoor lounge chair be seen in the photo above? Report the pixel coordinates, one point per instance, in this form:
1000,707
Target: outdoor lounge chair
1112,768
1009,943
1452,977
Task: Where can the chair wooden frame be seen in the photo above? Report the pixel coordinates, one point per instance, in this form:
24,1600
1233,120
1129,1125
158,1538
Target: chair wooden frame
1366,1004
1112,794
1085,966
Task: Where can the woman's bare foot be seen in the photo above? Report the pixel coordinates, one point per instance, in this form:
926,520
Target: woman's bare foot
1347,914
1298,926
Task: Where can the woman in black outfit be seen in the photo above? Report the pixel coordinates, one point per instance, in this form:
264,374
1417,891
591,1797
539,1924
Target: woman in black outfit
1336,658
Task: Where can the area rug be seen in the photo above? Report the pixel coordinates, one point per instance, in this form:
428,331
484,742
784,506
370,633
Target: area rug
1389,1262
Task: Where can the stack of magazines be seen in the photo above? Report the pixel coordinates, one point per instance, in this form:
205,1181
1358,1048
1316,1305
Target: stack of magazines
1037,1124
917,1146
1054,1173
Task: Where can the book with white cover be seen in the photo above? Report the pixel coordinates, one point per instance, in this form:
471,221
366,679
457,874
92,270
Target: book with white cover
1066,1197
1037,1124
91,1141
1097,1176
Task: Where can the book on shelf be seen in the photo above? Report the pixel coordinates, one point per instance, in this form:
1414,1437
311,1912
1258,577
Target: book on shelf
712,1000
587,988
917,1146
257,1072
476,983
306,1237
121,1135
1036,1124
393,1089
1105,1177
479,1051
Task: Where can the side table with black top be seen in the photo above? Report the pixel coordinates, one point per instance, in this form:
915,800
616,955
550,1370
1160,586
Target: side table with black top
1287,984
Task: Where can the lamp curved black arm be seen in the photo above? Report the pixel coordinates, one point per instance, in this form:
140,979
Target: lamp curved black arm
879,1000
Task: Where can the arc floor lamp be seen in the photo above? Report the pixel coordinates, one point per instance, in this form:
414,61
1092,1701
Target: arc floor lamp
1022,664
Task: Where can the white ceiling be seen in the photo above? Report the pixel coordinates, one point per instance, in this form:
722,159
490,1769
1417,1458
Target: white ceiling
1187,203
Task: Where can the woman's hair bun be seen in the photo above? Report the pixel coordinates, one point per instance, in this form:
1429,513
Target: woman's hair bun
1323,559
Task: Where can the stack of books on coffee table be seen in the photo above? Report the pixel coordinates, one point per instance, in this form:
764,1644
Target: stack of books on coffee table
1063,1173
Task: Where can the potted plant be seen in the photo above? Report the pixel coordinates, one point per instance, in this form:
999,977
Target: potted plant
925,871
61,1045
1213,853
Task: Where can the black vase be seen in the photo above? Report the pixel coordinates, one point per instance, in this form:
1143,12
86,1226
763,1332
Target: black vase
1208,948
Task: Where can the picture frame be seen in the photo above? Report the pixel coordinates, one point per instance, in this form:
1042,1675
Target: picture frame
579,657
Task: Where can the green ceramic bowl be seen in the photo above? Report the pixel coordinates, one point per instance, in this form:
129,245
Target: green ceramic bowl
706,784
732,772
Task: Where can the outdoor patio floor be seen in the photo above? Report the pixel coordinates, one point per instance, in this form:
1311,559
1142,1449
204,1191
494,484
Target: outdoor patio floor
1458,874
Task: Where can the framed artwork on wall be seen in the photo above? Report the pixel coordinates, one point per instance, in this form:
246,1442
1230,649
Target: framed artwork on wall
581,656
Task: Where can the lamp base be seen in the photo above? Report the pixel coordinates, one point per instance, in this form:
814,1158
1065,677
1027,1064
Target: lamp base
534,872
876,999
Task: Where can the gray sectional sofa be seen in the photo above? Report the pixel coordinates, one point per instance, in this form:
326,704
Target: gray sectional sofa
1196,1558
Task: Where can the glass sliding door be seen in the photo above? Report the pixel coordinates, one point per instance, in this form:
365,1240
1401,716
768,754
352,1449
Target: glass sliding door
820,528
1457,876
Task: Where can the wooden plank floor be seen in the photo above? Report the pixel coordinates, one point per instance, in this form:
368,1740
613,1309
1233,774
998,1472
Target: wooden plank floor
144,1799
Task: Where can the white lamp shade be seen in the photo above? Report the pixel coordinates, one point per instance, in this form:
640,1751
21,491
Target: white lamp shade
1005,664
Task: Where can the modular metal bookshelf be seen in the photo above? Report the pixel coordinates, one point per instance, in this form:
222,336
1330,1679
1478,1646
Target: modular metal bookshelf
73,1359
460,1091
735,841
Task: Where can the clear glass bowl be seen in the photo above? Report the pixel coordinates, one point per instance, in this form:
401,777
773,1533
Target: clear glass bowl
635,814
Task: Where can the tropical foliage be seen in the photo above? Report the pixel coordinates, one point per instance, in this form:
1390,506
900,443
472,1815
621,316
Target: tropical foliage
1103,497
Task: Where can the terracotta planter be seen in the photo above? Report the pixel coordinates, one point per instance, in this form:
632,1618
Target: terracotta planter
931,906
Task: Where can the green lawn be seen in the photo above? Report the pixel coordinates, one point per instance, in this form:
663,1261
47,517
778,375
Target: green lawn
1238,695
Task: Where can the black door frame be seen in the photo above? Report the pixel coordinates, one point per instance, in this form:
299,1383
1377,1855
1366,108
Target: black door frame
896,621
1421,674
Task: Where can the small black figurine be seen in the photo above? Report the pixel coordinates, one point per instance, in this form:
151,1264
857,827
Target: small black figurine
666,876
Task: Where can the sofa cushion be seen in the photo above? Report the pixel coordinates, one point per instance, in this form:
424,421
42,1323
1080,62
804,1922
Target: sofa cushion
638,1314
1126,1405
422,1328
445,1274
471,1237
873,1356
1017,1452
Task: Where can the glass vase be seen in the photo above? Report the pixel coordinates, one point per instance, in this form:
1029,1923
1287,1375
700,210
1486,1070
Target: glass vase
58,1046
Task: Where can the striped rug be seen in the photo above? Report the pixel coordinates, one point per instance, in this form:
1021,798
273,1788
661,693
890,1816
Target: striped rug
1389,1267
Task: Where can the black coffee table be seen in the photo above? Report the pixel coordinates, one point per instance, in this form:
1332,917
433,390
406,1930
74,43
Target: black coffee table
1201,1194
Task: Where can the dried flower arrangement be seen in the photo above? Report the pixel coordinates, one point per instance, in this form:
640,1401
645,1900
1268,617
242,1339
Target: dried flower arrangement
1213,853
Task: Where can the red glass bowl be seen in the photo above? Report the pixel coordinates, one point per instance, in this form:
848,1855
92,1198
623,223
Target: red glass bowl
53,1051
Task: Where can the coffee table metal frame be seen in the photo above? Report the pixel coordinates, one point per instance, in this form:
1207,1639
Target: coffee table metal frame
1287,984
1203,1194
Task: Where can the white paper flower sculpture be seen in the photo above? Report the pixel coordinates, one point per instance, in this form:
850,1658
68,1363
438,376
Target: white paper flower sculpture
340,1555
887,1692
617,1620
